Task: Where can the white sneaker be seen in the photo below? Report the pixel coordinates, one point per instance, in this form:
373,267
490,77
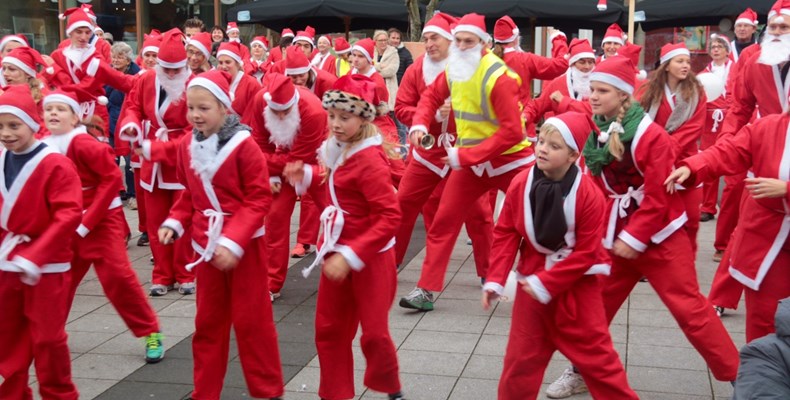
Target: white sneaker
568,384
274,296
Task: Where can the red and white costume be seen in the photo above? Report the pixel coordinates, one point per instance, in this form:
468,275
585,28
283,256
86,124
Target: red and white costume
748,16
716,111
760,249
324,62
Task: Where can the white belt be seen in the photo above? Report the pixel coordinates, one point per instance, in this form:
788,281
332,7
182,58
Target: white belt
332,221
9,243
620,210
718,116
216,220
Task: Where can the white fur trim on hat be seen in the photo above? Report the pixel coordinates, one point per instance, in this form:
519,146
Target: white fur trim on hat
564,131
203,49
147,49
11,38
212,87
580,56
612,80
510,39
260,42
281,107
614,39
363,51
725,39
773,13
435,29
25,117
230,54
348,50
236,29
298,71
674,53
307,39
745,21
472,29
59,98
19,64
78,24
165,64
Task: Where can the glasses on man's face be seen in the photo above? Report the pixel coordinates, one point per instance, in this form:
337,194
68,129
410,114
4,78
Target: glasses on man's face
381,40
717,47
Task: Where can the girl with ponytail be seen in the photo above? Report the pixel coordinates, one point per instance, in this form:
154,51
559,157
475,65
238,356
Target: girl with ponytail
629,159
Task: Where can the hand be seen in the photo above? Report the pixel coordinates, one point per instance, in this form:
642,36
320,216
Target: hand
556,96
444,110
224,259
294,172
276,187
336,267
138,151
488,297
166,235
623,250
415,137
48,60
677,176
766,188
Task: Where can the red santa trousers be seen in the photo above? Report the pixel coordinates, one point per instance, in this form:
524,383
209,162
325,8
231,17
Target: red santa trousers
422,188
105,249
692,198
573,323
725,291
729,210
169,261
238,298
277,239
462,188
669,268
138,190
761,304
363,298
309,221
710,189
33,328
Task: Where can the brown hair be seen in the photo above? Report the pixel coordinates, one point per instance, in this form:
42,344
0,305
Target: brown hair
688,87
499,50
194,23
35,89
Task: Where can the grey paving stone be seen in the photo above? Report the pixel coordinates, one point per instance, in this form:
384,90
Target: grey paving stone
454,323
105,366
498,326
128,390
169,370
303,313
658,336
83,342
427,387
483,367
299,355
456,306
297,332
90,388
88,302
180,308
177,326
680,358
104,323
432,362
474,389
452,342
670,381
492,345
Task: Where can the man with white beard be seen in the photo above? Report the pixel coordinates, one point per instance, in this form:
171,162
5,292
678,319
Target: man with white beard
154,120
423,181
490,150
570,91
289,124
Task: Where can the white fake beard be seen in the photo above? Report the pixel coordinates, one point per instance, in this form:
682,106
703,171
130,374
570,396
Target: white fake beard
462,64
282,131
203,154
174,87
431,69
580,82
75,55
774,52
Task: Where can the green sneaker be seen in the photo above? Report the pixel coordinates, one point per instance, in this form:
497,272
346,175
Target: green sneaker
418,299
154,351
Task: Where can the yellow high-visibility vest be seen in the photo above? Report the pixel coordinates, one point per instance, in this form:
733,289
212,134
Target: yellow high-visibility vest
475,119
342,67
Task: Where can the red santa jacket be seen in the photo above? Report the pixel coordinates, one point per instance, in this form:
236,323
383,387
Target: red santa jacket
764,224
543,106
100,177
324,63
158,129
530,66
83,75
717,109
39,214
641,211
226,200
686,137
322,82
410,91
242,91
550,273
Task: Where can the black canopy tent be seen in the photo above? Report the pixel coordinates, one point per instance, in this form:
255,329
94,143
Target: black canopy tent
669,13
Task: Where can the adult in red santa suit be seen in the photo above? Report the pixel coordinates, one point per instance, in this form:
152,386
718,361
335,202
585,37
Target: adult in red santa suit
147,59
260,57
289,124
570,91
103,48
424,178
613,39
342,64
323,59
304,40
155,120
760,247
719,71
199,53
234,36
276,52
674,98
745,28
8,43
490,150
243,87
362,62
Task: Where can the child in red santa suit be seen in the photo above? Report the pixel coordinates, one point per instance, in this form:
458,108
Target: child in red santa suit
40,208
226,198
358,282
100,239
558,214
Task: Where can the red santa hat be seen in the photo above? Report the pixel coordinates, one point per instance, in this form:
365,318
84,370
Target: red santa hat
473,23
287,32
72,96
217,82
781,7
749,16
670,51
632,52
575,128
76,17
296,63
201,41
18,101
617,71
172,53
232,50
89,11
261,40
602,5
98,30
441,24
580,49
328,39
281,93
151,42
307,35
232,27
355,94
614,34
27,59
723,39
365,47
13,38
505,30
342,46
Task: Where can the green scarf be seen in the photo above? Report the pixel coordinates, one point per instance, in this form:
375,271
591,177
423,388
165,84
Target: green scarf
598,157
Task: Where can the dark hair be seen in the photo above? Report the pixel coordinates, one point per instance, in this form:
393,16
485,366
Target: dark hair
286,41
194,23
219,28
390,30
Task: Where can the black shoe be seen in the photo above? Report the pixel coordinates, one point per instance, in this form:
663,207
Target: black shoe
396,396
705,217
143,240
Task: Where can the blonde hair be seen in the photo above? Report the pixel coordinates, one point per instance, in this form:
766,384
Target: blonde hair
548,130
367,130
616,147
35,89
379,32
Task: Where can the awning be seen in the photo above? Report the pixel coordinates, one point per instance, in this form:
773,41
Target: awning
559,13
668,13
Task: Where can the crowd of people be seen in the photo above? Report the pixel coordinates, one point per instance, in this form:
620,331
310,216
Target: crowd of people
608,173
